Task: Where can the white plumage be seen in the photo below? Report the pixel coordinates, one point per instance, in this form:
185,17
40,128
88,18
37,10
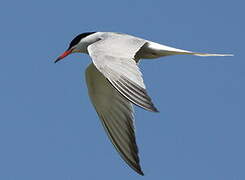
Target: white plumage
115,82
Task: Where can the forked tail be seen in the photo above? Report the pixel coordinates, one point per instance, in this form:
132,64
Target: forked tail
162,50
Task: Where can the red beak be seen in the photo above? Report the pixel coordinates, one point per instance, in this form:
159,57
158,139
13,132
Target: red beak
66,53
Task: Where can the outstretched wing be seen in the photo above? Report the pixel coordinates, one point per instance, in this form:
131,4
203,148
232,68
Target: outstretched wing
113,56
116,114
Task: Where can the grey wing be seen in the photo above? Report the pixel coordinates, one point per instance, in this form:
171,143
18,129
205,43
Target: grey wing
116,114
114,58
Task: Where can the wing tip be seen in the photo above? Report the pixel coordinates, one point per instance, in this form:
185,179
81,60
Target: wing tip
154,109
138,170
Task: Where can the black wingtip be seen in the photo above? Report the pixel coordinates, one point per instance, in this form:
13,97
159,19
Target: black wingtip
138,169
156,111
141,173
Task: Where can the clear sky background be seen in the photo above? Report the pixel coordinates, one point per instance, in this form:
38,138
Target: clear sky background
48,127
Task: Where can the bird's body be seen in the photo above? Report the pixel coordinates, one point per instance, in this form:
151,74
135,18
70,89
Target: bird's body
115,82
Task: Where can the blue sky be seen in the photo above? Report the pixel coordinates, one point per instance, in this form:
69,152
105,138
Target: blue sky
49,129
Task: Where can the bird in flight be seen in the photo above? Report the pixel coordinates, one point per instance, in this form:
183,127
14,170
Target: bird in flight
115,83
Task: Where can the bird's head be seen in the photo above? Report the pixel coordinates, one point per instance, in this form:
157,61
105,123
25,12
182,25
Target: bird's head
78,44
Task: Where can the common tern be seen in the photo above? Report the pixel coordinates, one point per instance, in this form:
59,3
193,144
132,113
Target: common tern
115,83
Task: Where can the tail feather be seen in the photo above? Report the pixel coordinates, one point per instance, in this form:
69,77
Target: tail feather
163,50
207,54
